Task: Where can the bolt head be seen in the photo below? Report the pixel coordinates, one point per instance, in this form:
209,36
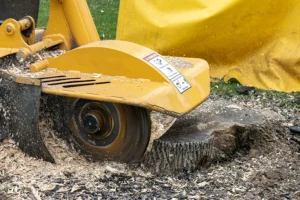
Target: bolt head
8,29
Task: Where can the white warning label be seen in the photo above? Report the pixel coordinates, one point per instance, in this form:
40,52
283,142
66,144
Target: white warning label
181,84
169,71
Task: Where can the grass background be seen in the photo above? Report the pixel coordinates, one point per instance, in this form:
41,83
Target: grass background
105,14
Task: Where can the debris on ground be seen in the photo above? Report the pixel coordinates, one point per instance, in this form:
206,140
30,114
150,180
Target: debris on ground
259,171
249,175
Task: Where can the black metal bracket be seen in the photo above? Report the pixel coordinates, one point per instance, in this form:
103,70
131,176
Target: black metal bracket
19,116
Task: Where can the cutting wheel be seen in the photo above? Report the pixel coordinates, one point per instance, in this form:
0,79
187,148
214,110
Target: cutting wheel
103,130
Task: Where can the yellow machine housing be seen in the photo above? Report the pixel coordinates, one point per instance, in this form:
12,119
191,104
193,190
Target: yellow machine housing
137,81
107,86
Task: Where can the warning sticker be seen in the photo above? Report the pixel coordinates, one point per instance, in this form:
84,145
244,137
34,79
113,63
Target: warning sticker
169,71
181,84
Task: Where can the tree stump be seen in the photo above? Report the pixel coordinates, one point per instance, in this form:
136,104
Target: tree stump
212,132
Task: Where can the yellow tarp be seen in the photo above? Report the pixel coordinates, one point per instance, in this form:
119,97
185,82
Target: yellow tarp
254,41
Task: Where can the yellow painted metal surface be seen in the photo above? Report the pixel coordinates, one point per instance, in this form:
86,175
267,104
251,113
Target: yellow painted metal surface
28,81
57,25
132,79
256,42
80,21
39,66
73,21
12,41
70,25
129,73
25,24
10,38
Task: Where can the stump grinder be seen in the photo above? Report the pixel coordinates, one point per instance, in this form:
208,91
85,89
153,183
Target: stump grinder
102,91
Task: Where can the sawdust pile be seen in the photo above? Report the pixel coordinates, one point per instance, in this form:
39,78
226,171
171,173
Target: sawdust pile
253,176
26,177
246,177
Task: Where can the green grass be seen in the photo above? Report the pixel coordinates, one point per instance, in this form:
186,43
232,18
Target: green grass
43,13
225,88
281,99
105,15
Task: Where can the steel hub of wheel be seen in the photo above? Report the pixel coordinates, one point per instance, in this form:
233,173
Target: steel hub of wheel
96,125
92,122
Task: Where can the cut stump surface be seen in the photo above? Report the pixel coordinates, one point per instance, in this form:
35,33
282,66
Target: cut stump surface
212,132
